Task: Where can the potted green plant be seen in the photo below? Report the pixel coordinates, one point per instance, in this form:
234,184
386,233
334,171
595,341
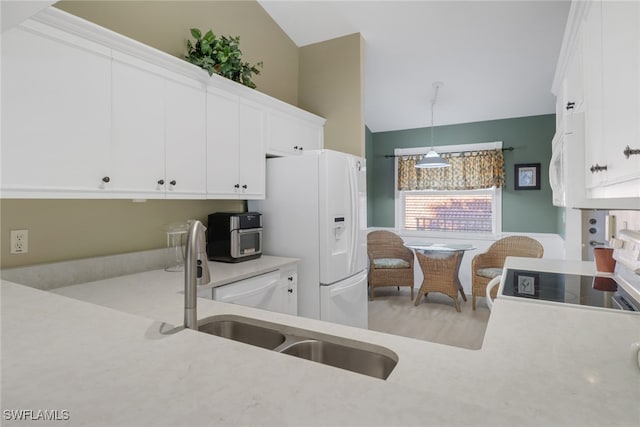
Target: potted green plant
221,55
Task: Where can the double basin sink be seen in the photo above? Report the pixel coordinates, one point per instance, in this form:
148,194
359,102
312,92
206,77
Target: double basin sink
354,356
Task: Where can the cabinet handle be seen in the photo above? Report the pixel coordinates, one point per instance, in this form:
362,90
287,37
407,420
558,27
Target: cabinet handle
290,278
173,182
570,105
106,179
244,186
597,168
295,147
628,151
236,186
290,290
301,148
161,181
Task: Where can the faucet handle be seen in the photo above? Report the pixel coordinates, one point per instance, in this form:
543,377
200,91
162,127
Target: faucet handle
203,277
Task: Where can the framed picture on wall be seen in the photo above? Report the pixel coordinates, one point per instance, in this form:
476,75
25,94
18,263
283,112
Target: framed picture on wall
527,176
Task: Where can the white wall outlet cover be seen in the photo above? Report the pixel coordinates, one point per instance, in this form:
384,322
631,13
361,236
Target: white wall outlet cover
19,241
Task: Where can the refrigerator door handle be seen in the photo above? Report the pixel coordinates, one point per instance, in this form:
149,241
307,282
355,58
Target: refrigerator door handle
342,289
355,226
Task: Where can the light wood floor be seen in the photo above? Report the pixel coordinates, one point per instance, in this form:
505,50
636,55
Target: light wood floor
435,319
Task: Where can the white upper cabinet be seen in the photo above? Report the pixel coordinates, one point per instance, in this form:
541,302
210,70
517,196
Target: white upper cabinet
251,150
290,133
621,78
56,110
185,140
235,147
88,113
158,133
138,129
600,69
223,156
594,132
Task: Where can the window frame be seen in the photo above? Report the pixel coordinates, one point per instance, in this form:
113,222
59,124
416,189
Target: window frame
399,200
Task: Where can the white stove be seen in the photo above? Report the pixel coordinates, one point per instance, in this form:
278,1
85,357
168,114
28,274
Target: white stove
577,282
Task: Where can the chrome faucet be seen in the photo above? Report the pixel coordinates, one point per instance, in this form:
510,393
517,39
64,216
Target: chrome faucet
195,270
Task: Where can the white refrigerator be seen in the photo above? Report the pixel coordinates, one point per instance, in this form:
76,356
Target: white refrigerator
315,210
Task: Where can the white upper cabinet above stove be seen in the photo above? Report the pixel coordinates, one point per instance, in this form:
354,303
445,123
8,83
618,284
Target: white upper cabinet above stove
598,73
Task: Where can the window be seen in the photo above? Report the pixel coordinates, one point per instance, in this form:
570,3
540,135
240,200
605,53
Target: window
448,200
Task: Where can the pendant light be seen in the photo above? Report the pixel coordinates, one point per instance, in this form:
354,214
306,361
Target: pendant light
432,159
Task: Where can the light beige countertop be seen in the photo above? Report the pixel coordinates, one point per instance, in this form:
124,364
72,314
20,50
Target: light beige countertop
109,360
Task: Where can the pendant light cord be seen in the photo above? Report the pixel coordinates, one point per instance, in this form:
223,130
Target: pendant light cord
433,103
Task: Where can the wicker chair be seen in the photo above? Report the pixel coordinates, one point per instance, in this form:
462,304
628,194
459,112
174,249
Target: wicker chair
440,274
390,262
488,265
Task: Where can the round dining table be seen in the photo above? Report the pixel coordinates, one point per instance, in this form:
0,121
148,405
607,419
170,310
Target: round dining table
427,248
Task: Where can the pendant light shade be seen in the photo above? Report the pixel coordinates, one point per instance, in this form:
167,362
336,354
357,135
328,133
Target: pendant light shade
433,159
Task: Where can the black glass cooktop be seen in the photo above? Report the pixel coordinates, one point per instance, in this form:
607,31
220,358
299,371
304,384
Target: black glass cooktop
560,287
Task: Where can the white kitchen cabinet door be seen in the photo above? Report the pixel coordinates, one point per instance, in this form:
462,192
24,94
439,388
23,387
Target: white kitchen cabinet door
251,150
185,140
235,147
288,289
137,129
222,144
621,78
289,135
56,112
595,153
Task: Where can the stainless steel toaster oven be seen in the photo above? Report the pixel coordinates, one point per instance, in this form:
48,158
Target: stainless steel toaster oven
234,236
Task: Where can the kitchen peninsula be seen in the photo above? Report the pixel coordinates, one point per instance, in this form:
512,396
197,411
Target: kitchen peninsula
113,352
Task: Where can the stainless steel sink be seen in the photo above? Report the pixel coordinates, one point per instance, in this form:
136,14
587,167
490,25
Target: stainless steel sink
353,356
244,332
340,356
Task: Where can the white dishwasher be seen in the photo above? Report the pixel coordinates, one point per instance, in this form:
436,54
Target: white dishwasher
273,291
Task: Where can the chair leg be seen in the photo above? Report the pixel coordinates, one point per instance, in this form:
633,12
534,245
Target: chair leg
455,301
411,293
419,297
371,296
473,301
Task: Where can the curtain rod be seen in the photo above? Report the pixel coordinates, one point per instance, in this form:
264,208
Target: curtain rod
391,156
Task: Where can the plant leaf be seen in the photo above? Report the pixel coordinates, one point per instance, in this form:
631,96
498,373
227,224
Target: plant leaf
221,55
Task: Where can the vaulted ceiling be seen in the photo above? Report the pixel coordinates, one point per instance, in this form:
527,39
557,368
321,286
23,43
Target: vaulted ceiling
496,58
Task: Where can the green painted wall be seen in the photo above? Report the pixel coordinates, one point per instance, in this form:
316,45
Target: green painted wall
522,211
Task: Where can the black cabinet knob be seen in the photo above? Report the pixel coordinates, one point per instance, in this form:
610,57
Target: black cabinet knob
290,290
106,179
295,147
161,181
173,182
570,105
597,168
628,152
244,186
236,186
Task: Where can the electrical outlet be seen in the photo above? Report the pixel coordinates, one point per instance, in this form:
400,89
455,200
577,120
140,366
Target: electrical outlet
19,241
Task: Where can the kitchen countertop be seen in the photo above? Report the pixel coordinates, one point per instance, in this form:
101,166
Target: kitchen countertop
110,356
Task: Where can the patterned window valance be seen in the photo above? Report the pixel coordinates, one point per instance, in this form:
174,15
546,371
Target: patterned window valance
470,170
